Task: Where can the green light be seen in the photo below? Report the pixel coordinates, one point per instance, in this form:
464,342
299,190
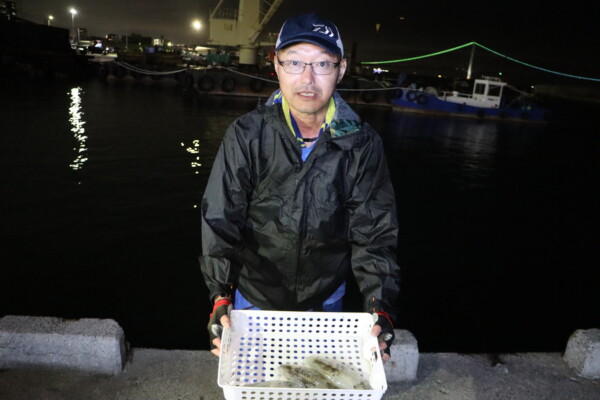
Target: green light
419,57
491,51
536,67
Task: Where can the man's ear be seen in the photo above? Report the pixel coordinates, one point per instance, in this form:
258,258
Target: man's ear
276,66
343,65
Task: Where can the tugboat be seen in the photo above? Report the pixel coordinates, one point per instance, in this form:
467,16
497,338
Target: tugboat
485,102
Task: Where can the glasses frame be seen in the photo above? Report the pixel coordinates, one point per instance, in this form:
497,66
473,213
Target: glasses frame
335,65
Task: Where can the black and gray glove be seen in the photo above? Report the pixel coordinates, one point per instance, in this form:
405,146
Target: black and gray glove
387,335
383,319
215,329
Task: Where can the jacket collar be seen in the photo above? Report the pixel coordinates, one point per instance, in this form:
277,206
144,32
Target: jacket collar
344,122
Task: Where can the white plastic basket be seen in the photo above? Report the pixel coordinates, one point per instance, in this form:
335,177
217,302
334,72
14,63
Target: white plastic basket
260,341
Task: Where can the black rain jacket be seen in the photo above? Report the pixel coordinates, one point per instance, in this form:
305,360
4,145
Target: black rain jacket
287,233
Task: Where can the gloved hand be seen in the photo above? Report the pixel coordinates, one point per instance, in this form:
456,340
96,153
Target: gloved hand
386,335
383,328
221,309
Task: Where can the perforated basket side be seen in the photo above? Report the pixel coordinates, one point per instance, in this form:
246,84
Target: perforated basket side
260,341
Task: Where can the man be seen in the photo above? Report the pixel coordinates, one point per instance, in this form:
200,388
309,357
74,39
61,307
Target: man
299,199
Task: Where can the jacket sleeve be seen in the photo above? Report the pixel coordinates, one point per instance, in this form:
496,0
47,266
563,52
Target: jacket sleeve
224,210
373,230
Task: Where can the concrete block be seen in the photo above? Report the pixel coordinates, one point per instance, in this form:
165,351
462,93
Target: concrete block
583,353
404,360
93,345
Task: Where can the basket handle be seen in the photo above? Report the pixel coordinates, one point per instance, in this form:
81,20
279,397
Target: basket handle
225,340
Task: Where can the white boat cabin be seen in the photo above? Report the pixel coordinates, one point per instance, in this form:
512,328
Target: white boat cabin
487,93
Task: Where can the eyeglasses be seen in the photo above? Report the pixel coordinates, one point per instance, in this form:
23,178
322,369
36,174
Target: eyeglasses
318,67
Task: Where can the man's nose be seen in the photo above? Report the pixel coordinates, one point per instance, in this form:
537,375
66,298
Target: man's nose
308,75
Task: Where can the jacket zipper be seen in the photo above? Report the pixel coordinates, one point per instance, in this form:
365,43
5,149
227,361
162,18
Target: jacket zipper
303,228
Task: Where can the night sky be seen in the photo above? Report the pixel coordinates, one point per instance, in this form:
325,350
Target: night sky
555,34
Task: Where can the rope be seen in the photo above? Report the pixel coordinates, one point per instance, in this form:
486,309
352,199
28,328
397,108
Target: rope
487,49
145,71
522,93
248,75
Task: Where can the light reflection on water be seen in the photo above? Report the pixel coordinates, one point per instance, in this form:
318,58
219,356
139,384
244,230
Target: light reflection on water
77,127
194,149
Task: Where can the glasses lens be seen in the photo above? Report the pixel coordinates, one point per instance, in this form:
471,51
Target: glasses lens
294,67
322,68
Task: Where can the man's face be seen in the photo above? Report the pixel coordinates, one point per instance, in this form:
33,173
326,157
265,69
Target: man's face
308,93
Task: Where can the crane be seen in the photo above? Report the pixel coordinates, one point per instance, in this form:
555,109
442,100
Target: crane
242,26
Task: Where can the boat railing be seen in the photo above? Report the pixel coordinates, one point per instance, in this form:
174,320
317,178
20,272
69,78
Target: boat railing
491,78
455,94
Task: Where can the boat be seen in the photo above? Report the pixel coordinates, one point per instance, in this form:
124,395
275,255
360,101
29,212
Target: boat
485,102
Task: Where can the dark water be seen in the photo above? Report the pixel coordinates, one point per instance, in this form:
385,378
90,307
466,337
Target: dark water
101,182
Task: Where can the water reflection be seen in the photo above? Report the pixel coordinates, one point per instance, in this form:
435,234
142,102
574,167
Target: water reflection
77,123
194,149
463,152
476,143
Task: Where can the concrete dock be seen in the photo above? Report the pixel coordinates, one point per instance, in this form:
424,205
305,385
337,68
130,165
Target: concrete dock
184,374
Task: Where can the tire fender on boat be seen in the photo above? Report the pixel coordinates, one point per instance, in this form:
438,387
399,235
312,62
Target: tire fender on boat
102,72
367,96
187,80
422,99
411,95
206,83
257,85
228,84
393,94
120,72
396,94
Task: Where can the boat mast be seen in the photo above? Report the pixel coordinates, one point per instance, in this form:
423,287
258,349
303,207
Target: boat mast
469,70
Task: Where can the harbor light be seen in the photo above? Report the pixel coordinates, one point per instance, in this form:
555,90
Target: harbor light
196,24
73,12
50,18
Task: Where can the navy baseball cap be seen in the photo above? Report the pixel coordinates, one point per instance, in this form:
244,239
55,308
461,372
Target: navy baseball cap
313,29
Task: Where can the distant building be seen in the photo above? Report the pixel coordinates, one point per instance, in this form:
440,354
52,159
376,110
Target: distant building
136,41
82,34
8,10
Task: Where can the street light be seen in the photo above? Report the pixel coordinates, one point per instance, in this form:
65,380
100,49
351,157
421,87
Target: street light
196,24
50,18
73,12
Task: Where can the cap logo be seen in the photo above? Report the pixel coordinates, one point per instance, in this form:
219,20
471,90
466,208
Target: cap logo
324,29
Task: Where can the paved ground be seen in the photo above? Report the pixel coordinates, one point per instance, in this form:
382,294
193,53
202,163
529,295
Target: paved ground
192,375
